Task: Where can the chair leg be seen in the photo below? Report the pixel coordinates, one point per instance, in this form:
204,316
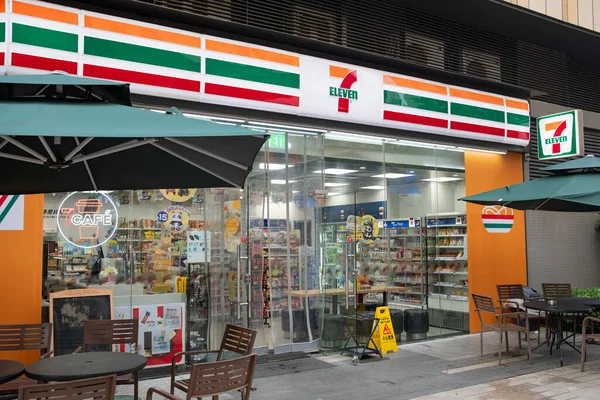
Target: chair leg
500,349
583,348
506,336
135,386
519,335
529,345
481,343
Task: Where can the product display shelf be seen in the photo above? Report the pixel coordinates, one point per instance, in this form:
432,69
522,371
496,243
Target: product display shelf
447,266
406,246
334,240
197,309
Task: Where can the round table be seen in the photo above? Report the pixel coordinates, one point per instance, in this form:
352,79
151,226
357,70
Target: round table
555,313
71,367
10,370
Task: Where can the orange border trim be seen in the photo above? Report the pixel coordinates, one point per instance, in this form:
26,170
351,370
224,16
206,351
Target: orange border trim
412,84
36,11
484,98
251,52
521,105
338,72
2,6
141,31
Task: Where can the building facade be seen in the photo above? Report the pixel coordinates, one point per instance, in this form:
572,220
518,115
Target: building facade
377,128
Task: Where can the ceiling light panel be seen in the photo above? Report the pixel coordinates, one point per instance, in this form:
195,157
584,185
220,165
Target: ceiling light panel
336,171
373,187
391,175
335,184
442,179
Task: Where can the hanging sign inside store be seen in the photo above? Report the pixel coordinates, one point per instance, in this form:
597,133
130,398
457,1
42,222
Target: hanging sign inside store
560,135
498,219
197,247
178,195
364,229
174,218
87,220
383,332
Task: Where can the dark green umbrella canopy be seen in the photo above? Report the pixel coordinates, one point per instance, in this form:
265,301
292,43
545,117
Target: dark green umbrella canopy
64,87
574,187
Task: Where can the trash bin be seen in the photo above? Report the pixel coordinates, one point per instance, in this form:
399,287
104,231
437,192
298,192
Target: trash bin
416,324
397,323
333,335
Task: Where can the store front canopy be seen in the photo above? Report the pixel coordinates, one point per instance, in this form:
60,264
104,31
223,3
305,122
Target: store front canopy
574,187
56,145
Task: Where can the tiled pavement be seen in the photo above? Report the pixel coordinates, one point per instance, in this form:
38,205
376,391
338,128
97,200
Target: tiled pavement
441,369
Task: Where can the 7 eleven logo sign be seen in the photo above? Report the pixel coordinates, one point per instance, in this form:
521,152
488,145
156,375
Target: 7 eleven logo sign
343,91
12,212
560,135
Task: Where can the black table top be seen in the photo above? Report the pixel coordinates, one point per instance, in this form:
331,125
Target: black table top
85,365
10,370
563,305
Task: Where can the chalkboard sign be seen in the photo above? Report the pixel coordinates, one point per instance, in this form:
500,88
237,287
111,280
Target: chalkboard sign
68,311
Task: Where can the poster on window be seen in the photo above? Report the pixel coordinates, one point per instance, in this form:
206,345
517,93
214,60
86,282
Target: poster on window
198,247
233,224
161,330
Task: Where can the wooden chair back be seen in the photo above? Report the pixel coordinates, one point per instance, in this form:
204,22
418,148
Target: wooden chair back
25,337
237,340
214,378
110,332
483,303
506,292
557,290
96,388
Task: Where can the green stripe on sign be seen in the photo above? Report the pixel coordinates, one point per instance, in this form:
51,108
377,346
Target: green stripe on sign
476,112
413,101
517,119
140,54
230,69
498,226
2,32
41,37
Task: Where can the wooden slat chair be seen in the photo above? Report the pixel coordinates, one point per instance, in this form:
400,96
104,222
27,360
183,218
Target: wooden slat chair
105,332
24,337
235,339
215,378
96,388
558,290
484,304
585,336
506,293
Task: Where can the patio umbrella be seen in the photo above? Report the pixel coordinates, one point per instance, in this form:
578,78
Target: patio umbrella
574,187
57,143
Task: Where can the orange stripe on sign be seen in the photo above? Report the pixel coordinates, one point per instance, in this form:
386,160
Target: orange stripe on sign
251,52
552,126
522,105
412,84
485,98
141,31
338,72
52,14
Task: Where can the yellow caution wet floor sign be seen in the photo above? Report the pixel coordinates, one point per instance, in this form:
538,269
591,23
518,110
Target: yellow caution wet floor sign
383,332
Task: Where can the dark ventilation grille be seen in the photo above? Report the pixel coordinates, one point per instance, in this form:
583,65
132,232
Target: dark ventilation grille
387,28
591,143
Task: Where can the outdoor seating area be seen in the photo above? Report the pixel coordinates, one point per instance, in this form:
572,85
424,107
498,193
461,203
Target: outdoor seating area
109,356
565,319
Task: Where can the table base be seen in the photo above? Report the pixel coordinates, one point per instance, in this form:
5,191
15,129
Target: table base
556,336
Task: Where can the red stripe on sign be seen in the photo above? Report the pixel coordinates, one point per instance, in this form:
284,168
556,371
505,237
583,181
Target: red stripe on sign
135,313
494,216
414,119
517,134
3,199
115,74
487,130
1,58
43,63
250,94
160,311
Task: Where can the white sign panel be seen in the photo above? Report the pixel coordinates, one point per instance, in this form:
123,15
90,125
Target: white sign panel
560,135
12,212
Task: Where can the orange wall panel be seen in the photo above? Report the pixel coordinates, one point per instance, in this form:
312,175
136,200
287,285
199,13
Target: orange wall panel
494,258
21,269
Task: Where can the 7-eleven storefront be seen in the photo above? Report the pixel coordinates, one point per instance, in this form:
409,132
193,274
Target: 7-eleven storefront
349,145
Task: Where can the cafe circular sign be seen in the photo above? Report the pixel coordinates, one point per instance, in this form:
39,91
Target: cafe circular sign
87,219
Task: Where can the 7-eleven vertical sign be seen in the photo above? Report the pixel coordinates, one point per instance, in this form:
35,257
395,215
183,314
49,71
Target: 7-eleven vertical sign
12,212
560,135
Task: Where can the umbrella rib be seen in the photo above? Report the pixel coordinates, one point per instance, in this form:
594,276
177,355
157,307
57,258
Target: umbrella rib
25,148
21,158
208,153
47,147
87,166
115,149
90,92
182,158
79,147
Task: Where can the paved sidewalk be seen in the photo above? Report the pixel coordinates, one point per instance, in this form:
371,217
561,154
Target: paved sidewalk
441,369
